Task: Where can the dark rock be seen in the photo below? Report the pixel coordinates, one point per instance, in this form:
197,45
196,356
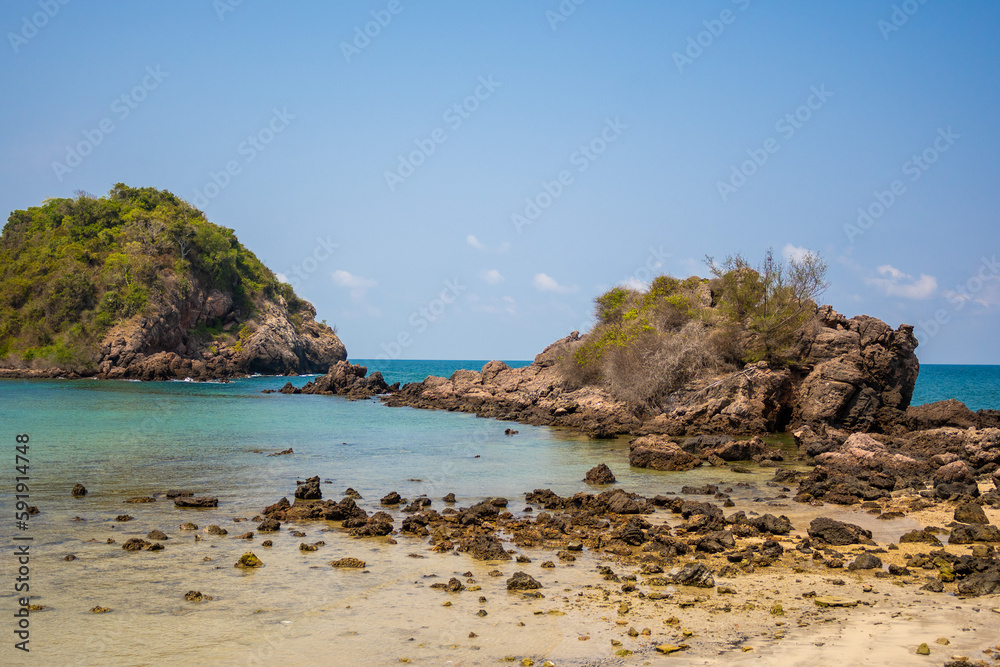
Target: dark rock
353,563
205,501
284,452
310,490
269,525
135,544
866,561
970,513
838,533
79,491
450,498
391,498
969,533
694,574
600,474
920,536
981,583
484,547
157,535
521,581
216,530
659,453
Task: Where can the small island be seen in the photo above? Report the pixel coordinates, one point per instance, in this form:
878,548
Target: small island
140,285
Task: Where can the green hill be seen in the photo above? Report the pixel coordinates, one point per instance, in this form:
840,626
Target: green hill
74,272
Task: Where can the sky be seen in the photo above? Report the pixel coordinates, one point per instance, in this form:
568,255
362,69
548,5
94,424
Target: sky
458,180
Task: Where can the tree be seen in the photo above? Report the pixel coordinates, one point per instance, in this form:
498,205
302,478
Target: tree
769,303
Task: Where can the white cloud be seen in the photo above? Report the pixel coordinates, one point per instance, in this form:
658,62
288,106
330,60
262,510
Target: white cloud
357,284
474,242
491,277
792,252
502,306
546,283
342,278
897,283
636,284
281,277
504,247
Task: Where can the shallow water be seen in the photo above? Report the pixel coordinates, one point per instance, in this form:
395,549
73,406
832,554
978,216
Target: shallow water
124,439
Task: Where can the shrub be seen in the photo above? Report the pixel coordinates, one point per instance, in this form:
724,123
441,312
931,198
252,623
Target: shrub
644,373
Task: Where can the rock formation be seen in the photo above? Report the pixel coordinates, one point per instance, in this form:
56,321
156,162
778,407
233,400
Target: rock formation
855,374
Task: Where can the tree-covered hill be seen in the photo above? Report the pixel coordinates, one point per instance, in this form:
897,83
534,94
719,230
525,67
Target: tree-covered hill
77,273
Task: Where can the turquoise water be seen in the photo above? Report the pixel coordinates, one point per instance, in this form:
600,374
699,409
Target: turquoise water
415,370
126,439
976,386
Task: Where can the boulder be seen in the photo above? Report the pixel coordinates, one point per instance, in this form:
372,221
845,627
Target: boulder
970,513
157,535
838,533
392,498
969,533
659,453
484,547
348,563
248,560
201,502
741,450
522,581
310,490
981,583
866,561
269,525
600,474
79,491
694,574
957,471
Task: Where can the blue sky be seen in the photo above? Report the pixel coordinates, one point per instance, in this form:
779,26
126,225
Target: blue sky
461,181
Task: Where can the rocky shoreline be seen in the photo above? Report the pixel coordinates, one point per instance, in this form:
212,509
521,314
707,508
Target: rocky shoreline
714,572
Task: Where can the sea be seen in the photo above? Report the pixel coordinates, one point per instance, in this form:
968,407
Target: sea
123,440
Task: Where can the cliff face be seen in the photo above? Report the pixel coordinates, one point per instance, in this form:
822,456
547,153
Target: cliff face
160,346
138,284
855,374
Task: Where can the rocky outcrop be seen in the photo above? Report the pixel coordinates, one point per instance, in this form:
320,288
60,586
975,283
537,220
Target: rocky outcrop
856,374
344,379
272,340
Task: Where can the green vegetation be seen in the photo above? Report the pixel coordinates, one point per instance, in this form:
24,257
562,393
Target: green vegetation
71,269
769,302
646,345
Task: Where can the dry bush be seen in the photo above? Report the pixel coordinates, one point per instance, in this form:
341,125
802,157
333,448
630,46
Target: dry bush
645,373
576,375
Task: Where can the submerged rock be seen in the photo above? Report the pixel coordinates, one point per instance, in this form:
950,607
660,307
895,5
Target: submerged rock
204,501
522,581
248,560
838,533
599,474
